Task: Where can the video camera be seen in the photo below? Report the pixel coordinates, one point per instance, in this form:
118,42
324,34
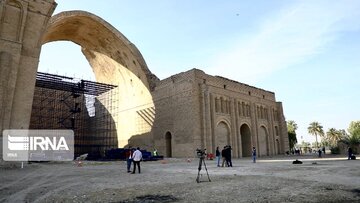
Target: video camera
201,153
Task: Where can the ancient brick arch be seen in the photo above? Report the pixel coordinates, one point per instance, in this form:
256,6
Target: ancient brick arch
26,25
113,59
106,49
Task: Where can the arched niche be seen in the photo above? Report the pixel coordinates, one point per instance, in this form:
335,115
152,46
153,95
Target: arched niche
222,134
263,142
245,135
168,144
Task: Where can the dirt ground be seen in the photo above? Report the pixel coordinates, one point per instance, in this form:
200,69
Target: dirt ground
276,179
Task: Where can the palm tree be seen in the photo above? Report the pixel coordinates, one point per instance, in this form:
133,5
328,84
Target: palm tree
316,129
333,136
352,139
354,133
292,126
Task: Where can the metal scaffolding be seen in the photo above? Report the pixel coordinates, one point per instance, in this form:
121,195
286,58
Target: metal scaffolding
89,108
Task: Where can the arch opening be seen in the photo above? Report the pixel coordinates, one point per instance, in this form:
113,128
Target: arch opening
245,140
114,60
168,147
65,58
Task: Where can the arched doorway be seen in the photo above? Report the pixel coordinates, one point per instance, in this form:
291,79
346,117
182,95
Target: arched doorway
263,141
245,135
168,148
222,135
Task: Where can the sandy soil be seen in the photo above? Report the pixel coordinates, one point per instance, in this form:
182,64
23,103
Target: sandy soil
275,179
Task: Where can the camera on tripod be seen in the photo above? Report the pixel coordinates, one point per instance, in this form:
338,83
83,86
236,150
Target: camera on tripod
201,153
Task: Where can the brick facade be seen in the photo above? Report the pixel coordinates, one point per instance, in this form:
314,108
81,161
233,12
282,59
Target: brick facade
203,111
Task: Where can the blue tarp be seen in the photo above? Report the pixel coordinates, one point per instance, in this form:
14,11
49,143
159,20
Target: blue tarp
120,153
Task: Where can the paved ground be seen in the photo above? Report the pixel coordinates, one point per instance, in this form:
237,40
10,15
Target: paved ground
332,179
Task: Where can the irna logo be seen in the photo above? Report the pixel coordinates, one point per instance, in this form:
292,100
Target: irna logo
37,143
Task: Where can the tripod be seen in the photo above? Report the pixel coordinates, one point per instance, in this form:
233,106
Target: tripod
202,160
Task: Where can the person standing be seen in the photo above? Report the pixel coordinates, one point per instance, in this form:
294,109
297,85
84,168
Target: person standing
349,153
129,159
228,154
137,156
223,155
217,153
319,152
254,155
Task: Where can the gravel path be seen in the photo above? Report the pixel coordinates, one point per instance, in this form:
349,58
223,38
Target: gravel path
174,180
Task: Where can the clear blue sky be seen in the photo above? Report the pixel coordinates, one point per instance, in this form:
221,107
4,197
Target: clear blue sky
307,52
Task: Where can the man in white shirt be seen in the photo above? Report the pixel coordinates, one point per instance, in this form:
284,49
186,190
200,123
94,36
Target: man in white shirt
137,156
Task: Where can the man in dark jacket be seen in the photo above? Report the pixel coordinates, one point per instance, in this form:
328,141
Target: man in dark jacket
228,156
223,154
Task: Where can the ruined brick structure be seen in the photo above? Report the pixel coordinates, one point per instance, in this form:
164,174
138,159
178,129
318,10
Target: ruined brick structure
196,110
175,115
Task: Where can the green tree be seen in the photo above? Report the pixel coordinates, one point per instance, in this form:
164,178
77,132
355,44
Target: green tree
354,133
292,127
354,128
325,141
352,139
333,136
343,133
305,144
316,129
